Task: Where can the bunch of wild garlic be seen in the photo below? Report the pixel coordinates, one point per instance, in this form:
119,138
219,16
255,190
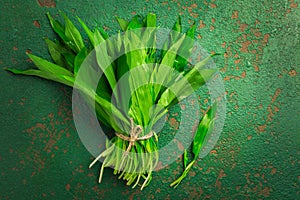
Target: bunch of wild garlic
133,151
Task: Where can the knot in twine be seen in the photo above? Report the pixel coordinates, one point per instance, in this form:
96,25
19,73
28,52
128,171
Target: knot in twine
135,131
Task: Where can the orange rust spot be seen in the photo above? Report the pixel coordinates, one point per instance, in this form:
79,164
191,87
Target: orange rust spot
226,78
194,5
266,38
36,23
180,146
235,15
245,46
192,173
173,123
276,109
205,101
294,5
201,25
212,5
213,20
47,3
194,15
212,28
256,68
249,137
257,33
273,171
243,27
223,45
244,74
271,114
221,175
237,61
262,128
68,187
15,48
292,73
265,192
277,92
213,151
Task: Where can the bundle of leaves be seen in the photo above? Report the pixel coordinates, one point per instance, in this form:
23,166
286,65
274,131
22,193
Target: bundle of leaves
162,77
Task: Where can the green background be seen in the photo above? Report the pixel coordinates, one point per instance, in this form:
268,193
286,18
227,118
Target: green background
258,153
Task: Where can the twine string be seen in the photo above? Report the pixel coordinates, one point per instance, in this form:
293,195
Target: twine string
135,131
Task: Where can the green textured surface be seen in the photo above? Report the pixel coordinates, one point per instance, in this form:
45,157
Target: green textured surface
258,153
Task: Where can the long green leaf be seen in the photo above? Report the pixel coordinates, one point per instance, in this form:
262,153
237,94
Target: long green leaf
44,74
73,34
204,129
58,28
89,33
47,66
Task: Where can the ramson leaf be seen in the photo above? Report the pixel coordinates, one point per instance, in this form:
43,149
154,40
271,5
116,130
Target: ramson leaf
73,34
122,23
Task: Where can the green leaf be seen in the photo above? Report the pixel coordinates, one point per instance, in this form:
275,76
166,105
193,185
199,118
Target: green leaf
44,74
113,116
58,28
56,51
151,20
104,62
89,33
103,33
122,23
98,37
73,34
79,59
69,57
135,23
47,66
94,36
185,159
177,26
185,50
204,128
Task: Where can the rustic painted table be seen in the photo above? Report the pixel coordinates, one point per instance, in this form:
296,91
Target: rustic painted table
258,153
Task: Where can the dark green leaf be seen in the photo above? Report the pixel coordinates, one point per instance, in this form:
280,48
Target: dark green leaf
79,59
69,57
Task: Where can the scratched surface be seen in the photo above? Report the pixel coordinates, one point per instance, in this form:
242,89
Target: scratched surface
258,153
